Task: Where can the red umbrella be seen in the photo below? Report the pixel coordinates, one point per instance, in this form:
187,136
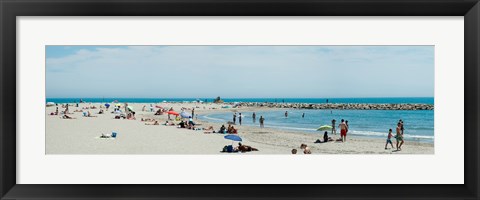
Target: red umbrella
172,113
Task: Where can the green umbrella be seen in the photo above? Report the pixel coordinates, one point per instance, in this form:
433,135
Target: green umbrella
325,128
130,108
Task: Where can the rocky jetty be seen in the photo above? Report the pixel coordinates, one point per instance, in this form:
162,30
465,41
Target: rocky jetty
340,106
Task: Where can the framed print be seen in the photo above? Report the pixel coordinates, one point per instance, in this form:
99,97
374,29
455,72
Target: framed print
198,99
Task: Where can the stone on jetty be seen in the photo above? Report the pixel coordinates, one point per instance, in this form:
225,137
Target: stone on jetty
342,106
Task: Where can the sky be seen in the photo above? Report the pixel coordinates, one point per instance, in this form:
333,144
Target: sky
239,71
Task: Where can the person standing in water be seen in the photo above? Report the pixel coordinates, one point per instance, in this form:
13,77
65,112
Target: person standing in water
234,117
286,113
240,118
343,130
334,131
254,116
261,121
303,115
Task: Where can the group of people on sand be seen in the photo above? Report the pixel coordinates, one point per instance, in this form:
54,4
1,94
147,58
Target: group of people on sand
240,148
343,130
304,147
399,136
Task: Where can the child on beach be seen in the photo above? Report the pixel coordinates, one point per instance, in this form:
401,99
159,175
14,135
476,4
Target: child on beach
389,137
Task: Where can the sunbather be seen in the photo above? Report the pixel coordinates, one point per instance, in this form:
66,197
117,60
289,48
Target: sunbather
67,117
245,148
154,123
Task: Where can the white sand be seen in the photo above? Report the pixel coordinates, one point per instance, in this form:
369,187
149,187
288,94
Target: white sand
81,136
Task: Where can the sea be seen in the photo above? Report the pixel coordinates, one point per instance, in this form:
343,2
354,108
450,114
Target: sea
418,124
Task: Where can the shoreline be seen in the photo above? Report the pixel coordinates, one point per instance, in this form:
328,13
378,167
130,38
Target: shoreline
158,139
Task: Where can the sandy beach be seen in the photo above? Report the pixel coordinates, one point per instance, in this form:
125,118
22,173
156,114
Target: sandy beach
82,135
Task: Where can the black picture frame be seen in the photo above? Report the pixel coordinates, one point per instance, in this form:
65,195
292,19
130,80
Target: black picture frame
10,9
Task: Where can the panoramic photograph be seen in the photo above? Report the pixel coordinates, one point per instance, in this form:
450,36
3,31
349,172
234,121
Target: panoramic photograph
239,100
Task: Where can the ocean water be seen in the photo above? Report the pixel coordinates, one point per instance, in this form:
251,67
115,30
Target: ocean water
418,124
425,100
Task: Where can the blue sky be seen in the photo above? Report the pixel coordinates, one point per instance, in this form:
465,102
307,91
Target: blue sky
239,71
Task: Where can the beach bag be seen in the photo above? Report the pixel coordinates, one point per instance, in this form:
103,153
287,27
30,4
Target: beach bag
229,148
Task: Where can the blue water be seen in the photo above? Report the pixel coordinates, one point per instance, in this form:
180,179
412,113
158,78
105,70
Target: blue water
418,124
370,123
425,100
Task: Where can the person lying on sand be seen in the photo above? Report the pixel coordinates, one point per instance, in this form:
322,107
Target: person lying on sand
147,120
245,148
209,130
154,123
100,112
169,124
90,114
67,117
159,112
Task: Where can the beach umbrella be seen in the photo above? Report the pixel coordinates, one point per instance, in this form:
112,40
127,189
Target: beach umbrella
107,104
130,108
185,115
172,113
233,138
325,128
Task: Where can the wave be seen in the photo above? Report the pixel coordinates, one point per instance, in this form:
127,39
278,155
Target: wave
382,134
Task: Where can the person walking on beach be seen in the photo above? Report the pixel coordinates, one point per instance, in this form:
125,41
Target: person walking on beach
401,122
343,130
348,127
389,138
334,131
193,112
286,113
240,118
399,136
254,116
261,121
234,117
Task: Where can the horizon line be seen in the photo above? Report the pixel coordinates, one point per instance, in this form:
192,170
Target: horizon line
200,98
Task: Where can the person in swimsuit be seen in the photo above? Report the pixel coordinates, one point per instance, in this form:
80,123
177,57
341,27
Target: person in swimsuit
254,116
286,113
389,139
343,130
234,117
334,131
399,137
261,121
240,118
